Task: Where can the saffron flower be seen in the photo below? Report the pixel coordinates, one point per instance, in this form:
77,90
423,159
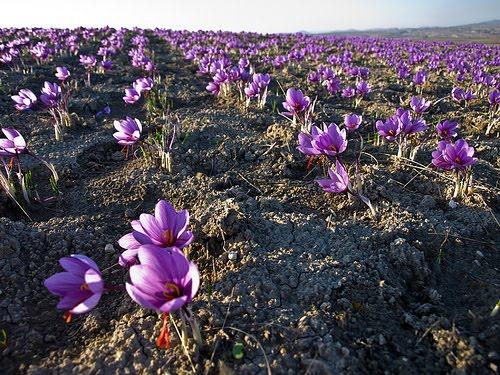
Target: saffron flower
352,121
131,96
14,144
338,181
420,77
295,102
447,129
106,65
26,99
330,141
62,73
348,92
457,94
419,104
164,281
166,229
252,90
261,79
363,89
143,84
80,286
453,156
494,97
128,131
88,61
51,94
213,88
389,129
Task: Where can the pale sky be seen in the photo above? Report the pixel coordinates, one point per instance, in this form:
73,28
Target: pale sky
247,15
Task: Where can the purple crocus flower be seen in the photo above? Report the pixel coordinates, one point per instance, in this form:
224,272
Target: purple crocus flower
88,61
213,88
106,65
338,181
131,96
14,144
314,77
419,104
447,129
252,90
469,95
295,102
457,94
106,111
363,88
420,77
389,129
352,121
453,156
438,156
305,145
261,79
143,84
128,131
164,281
26,99
413,126
494,97
331,141
51,94
166,229
348,92
80,286
62,73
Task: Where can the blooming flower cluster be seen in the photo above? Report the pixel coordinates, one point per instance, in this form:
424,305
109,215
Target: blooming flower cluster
161,277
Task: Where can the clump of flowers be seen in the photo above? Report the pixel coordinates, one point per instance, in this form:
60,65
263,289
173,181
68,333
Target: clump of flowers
327,145
161,277
88,62
14,180
24,100
166,229
297,105
140,87
52,98
258,89
403,129
459,158
460,95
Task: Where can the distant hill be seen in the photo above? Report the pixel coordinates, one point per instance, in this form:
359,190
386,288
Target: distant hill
488,32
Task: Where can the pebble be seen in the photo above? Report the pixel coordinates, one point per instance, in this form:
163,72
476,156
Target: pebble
109,248
452,204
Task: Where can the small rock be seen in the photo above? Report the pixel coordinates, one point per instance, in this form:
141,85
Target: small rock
109,248
232,255
452,204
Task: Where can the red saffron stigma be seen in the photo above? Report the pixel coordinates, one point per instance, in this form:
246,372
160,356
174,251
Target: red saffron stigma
311,160
163,341
67,317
